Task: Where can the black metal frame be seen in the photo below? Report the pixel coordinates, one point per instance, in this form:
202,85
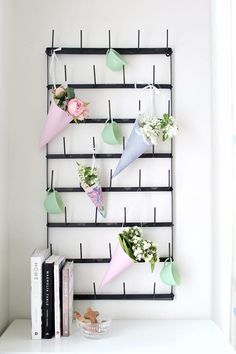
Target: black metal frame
102,51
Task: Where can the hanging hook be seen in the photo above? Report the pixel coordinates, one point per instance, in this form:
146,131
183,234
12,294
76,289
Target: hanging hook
94,289
81,39
124,289
139,105
153,74
65,73
110,178
167,43
94,75
65,215
168,107
52,180
110,253
50,247
138,39
64,145
96,215
123,143
155,215
124,215
168,178
154,288
81,250
123,74
139,179
52,48
109,109
109,39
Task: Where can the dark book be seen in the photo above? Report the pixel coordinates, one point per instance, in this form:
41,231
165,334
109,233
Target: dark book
48,321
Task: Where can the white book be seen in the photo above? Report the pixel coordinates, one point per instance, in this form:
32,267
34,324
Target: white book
57,294
36,261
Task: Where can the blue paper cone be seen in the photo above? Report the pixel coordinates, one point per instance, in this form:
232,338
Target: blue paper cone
136,146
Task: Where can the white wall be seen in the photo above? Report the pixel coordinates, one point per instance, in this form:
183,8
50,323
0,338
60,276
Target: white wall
222,183
4,119
188,24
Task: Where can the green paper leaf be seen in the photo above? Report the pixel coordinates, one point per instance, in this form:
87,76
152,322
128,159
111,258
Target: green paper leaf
70,92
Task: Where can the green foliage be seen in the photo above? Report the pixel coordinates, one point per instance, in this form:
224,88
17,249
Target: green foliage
88,176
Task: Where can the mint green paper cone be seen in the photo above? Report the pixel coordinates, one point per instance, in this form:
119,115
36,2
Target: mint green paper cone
114,60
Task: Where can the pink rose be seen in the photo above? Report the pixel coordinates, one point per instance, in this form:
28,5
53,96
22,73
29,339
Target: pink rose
77,108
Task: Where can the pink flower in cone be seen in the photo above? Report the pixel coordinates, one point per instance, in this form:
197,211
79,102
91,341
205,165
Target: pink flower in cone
56,121
119,263
77,108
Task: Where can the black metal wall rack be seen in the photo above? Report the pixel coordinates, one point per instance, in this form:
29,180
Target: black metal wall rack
153,295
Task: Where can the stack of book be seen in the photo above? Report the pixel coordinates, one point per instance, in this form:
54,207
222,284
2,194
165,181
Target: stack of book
51,295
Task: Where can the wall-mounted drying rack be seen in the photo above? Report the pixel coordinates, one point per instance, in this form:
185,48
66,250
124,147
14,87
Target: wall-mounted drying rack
80,50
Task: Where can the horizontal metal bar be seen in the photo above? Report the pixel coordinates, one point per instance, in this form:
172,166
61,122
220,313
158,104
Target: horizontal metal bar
103,120
101,260
106,156
167,297
108,224
117,189
100,51
112,86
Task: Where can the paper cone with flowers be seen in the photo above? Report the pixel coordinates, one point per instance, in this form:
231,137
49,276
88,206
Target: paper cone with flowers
63,109
89,180
131,248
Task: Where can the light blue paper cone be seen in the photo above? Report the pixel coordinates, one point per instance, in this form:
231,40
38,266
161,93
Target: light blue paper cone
136,146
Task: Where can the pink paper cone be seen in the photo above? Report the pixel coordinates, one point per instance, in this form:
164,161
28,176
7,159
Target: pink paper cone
56,121
119,262
95,194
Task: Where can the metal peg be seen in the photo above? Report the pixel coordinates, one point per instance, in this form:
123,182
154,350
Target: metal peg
94,143
123,143
50,247
65,73
155,215
169,181
52,173
110,253
153,75
64,145
109,39
110,178
81,39
96,215
123,74
124,215
81,250
109,109
138,39
94,75
52,42
94,289
139,105
169,254
124,288
139,178
65,215
169,108
154,289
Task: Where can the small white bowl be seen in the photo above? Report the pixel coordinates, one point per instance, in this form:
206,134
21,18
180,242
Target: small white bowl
94,330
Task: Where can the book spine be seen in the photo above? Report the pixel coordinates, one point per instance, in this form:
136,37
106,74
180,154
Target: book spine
57,312
65,303
36,297
48,301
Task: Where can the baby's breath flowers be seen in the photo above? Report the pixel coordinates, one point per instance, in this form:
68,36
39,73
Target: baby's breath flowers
88,176
137,248
153,128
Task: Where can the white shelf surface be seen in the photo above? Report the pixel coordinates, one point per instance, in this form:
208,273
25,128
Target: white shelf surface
126,337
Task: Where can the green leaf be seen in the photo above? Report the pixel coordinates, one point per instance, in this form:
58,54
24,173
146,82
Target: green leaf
152,264
70,93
